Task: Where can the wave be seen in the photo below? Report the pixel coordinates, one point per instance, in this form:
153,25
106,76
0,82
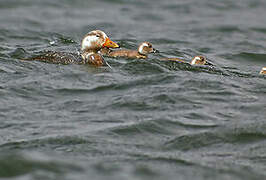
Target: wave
14,164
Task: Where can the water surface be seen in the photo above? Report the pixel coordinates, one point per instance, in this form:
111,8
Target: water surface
141,119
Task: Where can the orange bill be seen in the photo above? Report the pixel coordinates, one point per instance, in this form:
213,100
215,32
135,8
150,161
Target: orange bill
110,44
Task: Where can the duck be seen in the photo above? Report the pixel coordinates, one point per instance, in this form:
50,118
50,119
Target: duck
196,60
173,59
144,49
91,44
263,70
200,60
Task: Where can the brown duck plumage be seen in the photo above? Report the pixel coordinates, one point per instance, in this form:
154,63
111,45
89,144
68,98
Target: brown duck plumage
142,53
197,60
90,45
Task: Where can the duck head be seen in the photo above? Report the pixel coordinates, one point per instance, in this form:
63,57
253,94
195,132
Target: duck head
95,40
200,60
146,48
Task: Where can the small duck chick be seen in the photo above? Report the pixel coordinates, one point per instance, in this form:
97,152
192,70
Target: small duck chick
200,60
173,59
90,45
263,70
197,60
142,53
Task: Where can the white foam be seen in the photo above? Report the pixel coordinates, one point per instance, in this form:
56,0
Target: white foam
52,42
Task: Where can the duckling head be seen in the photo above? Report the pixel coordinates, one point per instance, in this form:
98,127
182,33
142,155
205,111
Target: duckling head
146,48
95,40
200,60
263,70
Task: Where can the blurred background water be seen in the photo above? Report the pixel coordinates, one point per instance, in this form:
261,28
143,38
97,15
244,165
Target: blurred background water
143,119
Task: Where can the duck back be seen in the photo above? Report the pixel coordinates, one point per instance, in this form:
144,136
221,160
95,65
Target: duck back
58,58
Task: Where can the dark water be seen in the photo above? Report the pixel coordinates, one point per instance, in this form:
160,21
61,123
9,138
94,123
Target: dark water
141,119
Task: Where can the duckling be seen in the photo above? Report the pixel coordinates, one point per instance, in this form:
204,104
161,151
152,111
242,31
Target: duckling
142,53
90,45
200,60
197,60
173,59
263,70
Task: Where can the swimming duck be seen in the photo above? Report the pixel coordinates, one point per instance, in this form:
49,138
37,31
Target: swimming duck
197,60
90,45
263,70
173,59
142,53
200,60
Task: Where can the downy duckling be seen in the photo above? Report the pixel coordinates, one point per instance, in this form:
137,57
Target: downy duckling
142,53
263,70
197,60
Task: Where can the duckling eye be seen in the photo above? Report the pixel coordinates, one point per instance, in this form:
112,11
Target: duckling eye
97,35
150,46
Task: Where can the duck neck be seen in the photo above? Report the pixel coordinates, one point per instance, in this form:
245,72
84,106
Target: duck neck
105,51
142,54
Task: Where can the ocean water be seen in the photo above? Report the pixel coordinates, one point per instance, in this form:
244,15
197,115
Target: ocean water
142,119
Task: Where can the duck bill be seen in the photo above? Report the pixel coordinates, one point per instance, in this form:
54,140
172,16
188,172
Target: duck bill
110,44
208,63
155,51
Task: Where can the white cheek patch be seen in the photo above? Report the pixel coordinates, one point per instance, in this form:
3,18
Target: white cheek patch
103,35
195,60
142,46
145,44
264,69
87,41
140,49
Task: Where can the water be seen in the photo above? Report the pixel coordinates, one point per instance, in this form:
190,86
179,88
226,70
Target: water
141,119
